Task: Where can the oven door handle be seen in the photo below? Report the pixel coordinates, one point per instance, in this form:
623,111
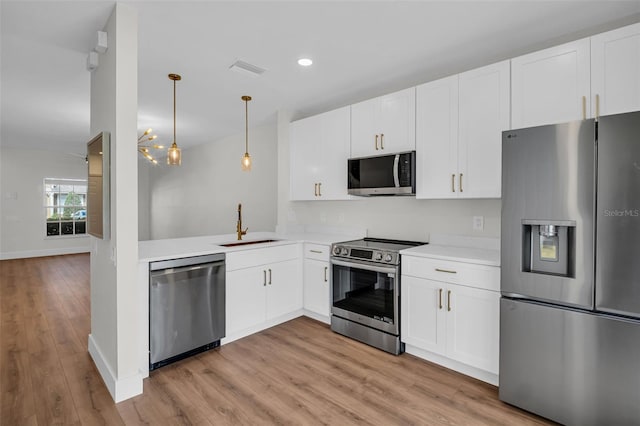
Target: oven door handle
353,264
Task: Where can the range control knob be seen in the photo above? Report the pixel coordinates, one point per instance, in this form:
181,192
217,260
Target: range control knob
344,251
388,257
377,256
336,250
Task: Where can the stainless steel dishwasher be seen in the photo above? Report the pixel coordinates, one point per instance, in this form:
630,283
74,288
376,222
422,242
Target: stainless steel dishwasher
186,307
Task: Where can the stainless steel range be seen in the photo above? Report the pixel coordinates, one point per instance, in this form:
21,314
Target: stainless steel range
366,291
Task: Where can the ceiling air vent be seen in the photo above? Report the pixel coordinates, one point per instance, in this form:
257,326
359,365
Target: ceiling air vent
247,68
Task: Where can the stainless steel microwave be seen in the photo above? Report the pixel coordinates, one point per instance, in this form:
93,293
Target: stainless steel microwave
393,174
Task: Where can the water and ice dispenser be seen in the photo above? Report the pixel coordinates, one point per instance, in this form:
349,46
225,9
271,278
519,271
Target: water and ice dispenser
549,247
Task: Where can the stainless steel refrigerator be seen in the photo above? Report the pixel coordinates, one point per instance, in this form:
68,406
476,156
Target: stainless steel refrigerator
570,271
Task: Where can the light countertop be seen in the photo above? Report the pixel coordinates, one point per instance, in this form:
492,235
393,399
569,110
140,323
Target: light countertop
173,248
479,251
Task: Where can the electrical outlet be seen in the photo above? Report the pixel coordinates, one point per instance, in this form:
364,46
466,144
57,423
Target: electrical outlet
478,223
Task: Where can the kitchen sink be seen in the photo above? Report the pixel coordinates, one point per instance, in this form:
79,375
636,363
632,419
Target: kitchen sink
244,243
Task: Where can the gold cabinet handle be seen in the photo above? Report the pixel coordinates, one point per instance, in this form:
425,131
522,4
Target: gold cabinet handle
376,142
448,300
319,189
597,106
326,268
381,141
446,271
584,107
316,251
264,277
461,190
453,183
269,276
440,298
315,189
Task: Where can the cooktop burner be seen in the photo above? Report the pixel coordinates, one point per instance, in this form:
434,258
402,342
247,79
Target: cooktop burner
373,249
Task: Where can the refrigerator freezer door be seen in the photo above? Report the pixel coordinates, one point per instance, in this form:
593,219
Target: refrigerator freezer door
618,215
548,179
574,367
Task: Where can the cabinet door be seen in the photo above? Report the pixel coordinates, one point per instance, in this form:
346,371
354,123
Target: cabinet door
615,71
364,129
473,326
483,115
437,138
245,299
284,288
306,157
396,121
552,85
422,314
335,145
316,286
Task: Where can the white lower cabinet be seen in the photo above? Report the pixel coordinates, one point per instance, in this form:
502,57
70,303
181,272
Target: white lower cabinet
317,282
263,288
453,324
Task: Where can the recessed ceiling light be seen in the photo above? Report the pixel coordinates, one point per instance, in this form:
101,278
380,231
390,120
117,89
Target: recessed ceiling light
305,62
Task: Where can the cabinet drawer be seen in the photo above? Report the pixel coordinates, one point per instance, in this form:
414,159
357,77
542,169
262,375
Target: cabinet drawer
317,252
262,256
467,274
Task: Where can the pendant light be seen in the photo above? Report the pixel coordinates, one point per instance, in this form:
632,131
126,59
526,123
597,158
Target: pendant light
144,147
174,155
246,158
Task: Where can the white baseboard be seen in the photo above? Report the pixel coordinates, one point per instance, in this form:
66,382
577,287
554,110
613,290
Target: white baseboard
119,388
41,253
451,364
318,317
263,326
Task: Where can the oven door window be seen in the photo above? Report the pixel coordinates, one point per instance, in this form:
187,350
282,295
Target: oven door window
365,292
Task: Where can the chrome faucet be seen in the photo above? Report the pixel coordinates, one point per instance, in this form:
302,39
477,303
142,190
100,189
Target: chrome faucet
239,226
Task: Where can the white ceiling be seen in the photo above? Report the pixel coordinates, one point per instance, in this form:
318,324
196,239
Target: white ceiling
360,50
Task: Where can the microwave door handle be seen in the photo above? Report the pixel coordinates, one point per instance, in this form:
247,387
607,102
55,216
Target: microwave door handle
396,177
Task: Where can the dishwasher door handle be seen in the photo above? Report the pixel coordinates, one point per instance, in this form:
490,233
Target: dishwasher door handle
185,269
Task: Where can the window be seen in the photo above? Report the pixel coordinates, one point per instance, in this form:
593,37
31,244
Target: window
65,203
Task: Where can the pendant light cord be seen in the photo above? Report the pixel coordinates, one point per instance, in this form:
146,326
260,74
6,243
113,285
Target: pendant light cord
174,112
246,125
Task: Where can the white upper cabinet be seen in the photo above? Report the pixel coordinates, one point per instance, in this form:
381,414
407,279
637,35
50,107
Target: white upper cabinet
437,138
483,115
552,85
319,153
384,125
615,71
459,124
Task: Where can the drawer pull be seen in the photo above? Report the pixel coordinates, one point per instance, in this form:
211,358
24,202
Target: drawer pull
446,271
316,251
440,298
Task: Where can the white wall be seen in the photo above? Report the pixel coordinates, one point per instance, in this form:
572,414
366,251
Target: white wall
144,200
115,296
22,216
385,217
201,197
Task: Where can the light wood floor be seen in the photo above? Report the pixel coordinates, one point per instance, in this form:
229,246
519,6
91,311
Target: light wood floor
297,373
